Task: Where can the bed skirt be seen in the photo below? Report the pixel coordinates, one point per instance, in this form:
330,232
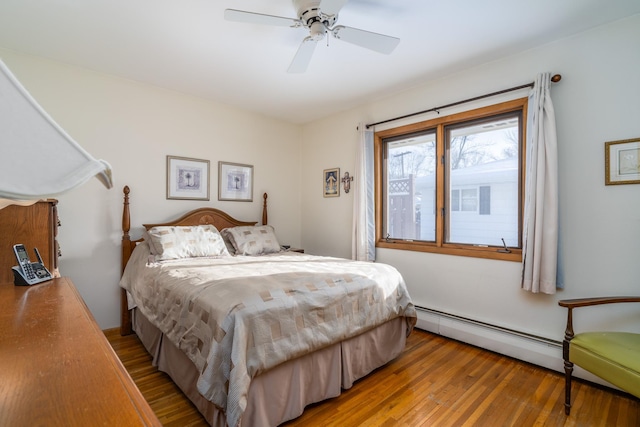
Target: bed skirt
282,393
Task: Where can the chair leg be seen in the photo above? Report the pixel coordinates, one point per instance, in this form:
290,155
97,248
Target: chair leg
568,370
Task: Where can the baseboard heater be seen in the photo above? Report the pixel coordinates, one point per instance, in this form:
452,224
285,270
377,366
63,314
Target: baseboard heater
490,326
530,348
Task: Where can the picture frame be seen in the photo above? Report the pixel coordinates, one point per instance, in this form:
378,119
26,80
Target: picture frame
331,182
235,182
187,178
622,162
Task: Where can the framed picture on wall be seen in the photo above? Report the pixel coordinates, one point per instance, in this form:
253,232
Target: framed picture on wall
331,182
622,162
235,182
187,178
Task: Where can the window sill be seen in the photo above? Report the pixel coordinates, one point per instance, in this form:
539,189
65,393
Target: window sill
450,249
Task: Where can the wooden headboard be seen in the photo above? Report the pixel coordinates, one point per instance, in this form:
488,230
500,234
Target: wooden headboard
201,216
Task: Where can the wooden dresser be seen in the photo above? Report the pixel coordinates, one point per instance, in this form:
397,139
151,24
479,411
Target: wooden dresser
56,366
34,226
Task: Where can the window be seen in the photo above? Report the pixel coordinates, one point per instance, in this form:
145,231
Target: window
453,184
465,200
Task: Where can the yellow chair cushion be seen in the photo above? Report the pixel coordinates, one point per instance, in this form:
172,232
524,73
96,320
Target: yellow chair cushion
613,356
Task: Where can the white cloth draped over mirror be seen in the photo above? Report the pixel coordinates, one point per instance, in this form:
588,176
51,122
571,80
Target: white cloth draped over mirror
38,158
540,225
364,231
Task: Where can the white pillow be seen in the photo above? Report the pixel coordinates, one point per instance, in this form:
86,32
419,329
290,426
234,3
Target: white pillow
173,242
250,240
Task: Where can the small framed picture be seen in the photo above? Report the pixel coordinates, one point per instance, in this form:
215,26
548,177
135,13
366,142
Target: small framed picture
622,162
235,182
331,182
187,179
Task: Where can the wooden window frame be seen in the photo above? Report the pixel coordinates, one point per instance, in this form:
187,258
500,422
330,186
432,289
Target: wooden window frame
439,123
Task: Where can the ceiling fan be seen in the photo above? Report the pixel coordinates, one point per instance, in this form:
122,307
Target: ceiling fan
319,17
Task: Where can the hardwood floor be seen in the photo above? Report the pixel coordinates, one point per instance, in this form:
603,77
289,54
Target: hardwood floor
435,382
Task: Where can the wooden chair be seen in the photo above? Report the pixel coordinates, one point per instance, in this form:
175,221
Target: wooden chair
612,356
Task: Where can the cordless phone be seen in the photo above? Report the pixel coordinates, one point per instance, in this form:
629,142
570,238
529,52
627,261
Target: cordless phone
26,272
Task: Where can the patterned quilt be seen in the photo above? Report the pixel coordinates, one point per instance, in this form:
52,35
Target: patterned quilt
236,317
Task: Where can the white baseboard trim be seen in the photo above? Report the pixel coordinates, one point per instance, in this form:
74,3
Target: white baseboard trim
536,350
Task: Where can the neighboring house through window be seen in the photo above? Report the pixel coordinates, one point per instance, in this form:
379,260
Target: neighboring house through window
453,184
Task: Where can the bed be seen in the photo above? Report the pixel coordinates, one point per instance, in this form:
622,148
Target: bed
251,333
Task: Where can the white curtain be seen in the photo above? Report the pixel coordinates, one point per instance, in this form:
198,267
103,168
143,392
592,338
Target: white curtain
364,232
39,159
540,227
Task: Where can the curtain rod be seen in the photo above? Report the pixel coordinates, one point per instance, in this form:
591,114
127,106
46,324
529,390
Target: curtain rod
556,78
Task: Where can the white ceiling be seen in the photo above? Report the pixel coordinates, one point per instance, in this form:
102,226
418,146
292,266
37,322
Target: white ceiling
187,46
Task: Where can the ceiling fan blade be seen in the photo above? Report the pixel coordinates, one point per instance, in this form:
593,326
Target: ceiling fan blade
367,39
332,7
259,18
303,56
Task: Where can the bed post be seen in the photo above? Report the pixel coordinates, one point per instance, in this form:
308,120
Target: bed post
264,209
125,314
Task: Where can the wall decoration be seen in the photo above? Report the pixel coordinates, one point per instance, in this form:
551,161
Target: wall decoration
187,179
346,181
622,162
331,182
235,182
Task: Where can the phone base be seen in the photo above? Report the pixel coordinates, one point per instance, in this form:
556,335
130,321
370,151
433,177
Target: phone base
19,280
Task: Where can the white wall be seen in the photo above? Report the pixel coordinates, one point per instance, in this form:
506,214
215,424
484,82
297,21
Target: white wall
134,127
596,101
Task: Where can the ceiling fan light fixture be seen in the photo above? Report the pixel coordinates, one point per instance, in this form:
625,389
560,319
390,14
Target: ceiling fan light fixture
317,31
